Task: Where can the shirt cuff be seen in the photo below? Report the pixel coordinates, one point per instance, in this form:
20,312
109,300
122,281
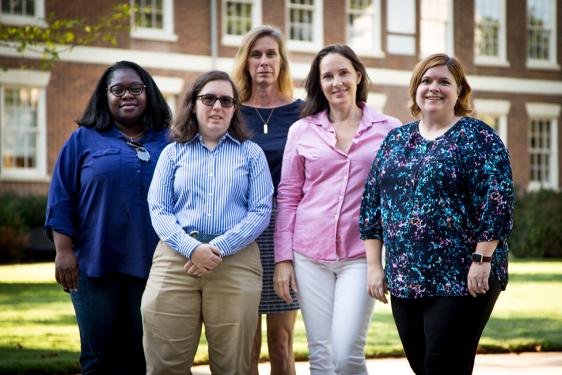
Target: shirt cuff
187,247
223,245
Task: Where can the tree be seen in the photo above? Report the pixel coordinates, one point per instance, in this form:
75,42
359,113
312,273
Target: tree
61,35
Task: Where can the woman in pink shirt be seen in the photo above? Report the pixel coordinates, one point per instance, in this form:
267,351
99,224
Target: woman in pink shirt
318,252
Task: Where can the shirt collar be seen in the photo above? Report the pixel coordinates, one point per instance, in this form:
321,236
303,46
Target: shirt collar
149,135
370,117
199,138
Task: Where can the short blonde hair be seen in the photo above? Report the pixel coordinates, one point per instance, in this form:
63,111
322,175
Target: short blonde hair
240,74
462,108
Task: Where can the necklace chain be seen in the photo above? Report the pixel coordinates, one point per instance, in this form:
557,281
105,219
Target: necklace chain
131,138
265,129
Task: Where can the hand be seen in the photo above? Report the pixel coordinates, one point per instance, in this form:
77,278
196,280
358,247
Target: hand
377,286
205,257
192,269
478,274
67,269
283,279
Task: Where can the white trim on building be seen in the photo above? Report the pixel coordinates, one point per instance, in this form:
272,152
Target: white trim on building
498,109
163,34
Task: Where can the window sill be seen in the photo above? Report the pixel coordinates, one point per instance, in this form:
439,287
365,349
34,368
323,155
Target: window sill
306,47
149,34
542,65
366,53
23,21
537,186
231,40
24,176
491,61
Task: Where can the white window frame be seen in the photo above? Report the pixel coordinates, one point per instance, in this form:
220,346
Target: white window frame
501,59
495,108
449,32
37,20
317,32
375,50
166,34
236,40
550,112
170,87
22,78
377,101
401,27
551,63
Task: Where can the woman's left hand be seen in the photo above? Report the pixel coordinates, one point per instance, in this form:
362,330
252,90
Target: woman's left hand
478,278
377,286
192,269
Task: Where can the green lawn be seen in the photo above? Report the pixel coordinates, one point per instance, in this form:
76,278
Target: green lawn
38,331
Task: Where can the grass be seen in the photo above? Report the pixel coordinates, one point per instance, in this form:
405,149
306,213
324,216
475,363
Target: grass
39,335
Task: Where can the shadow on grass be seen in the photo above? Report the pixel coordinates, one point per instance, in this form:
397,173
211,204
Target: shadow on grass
535,277
22,293
34,362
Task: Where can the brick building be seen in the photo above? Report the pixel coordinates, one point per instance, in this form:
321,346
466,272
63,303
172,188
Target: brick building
511,49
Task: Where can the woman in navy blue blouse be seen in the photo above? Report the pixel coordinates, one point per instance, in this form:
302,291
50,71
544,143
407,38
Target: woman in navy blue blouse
98,215
261,71
440,197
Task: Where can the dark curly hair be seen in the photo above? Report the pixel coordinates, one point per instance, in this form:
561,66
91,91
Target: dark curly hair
157,114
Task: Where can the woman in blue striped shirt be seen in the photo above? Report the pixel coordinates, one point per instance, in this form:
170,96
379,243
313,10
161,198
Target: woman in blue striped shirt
210,198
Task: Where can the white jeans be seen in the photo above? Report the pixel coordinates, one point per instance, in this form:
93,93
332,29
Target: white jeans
336,310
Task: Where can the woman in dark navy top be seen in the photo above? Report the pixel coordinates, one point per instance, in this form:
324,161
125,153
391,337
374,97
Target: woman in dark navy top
261,72
440,197
98,215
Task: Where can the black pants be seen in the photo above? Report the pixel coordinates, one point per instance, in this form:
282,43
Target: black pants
440,334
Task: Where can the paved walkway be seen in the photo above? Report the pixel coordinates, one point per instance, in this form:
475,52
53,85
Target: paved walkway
486,364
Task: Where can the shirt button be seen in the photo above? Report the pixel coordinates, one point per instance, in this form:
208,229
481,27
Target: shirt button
341,196
208,214
336,216
211,194
138,192
345,177
347,159
356,141
210,174
138,170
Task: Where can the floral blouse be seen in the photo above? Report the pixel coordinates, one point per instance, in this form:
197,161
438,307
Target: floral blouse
433,201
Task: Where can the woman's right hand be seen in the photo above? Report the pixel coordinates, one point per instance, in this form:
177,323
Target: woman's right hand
66,263
283,279
377,286
205,257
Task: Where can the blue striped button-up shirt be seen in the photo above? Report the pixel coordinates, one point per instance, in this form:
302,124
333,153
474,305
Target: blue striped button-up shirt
225,191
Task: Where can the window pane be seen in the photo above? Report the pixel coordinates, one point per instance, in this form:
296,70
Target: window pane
540,29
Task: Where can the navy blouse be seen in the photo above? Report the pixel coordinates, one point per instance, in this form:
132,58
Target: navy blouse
433,201
272,143
98,198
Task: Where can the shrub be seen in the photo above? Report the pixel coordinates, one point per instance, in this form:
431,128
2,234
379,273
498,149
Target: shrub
537,225
17,215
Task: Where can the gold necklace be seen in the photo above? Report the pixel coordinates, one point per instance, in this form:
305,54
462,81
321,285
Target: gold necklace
131,138
264,122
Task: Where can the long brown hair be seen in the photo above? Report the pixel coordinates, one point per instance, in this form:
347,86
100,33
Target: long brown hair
240,73
462,108
316,102
186,126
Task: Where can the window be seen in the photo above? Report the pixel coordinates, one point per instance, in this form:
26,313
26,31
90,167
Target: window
363,27
494,113
543,145
23,127
153,19
436,27
401,27
23,12
489,33
239,17
305,26
541,34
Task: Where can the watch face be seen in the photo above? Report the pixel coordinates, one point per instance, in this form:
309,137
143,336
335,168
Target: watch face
477,258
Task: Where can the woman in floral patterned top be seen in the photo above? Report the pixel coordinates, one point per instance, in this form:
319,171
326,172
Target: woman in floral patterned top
440,197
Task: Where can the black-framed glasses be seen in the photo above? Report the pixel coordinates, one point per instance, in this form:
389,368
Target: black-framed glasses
142,152
210,99
119,90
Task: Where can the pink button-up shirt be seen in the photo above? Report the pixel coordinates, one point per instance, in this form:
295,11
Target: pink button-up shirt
321,186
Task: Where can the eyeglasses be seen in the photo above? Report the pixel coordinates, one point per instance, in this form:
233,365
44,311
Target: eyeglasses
142,153
119,90
210,99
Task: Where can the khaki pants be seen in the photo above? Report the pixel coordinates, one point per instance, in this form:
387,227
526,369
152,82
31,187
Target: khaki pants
175,304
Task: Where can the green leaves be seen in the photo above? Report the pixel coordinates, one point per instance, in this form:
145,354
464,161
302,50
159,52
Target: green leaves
62,35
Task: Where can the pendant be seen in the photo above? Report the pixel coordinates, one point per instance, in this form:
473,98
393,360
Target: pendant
264,128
